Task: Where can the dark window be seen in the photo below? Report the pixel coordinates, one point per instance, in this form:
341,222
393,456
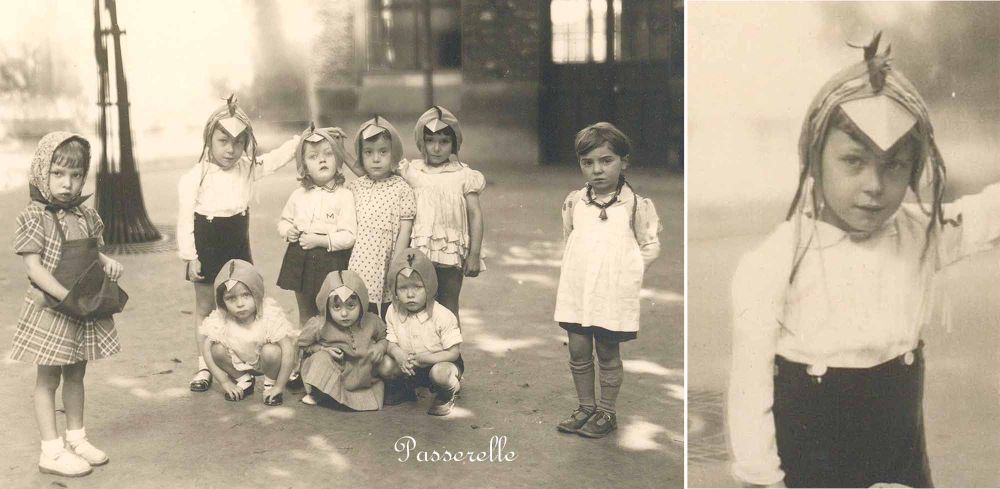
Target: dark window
643,30
396,34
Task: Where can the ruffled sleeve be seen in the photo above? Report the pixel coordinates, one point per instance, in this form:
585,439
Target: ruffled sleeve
567,213
407,202
474,182
214,327
647,230
29,233
758,291
187,195
277,326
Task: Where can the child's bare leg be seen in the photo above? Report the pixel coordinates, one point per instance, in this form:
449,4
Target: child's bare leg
224,361
307,307
46,382
581,365
444,375
610,360
73,395
270,360
387,368
204,304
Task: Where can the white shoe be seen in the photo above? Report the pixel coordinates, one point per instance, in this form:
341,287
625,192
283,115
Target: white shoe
64,463
309,400
88,452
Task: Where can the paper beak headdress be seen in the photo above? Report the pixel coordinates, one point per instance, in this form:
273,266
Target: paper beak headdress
884,107
436,119
343,284
231,119
375,126
312,135
239,271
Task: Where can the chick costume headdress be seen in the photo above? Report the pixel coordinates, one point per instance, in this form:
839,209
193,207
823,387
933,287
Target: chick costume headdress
311,135
413,260
436,119
343,284
375,126
884,107
239,271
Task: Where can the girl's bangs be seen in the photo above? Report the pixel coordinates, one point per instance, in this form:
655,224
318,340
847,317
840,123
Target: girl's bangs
72,153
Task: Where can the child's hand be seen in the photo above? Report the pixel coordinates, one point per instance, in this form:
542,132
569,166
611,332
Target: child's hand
113,269
471,266
336,353
293,235
309,241
376,355
404,360
272,392
229,387
194,270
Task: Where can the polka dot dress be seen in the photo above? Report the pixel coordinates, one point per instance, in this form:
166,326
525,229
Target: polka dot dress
380,205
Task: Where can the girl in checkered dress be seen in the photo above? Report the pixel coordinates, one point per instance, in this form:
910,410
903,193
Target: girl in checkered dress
59,344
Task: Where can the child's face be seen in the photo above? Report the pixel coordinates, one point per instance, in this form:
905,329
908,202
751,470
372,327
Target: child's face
602,167
321,164
861,186
227,150
239,303
438,147
376,156
66,183
344,313
411,292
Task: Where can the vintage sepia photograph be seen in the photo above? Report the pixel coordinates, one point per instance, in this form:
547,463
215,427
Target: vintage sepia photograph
843,220
342,243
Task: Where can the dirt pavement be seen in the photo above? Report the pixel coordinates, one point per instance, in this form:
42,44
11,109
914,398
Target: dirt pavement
158,434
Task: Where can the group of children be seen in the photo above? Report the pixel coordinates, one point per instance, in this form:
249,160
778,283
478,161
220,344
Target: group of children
376,266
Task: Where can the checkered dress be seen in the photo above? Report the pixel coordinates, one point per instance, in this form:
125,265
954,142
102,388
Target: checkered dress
45,336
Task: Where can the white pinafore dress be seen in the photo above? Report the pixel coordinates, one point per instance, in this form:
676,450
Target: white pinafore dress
602,267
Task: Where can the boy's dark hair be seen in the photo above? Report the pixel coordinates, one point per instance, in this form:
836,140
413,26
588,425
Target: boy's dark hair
596,135
447,131
72,153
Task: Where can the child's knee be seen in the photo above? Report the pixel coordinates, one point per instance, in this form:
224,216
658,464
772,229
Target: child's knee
73,374
387,368
48,377
220,354
607,353
270,359
444,374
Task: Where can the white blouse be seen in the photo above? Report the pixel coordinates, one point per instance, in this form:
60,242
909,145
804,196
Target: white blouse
853,303
321,211
211,191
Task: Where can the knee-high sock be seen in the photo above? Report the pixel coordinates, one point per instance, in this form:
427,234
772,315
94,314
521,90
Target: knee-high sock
583,379
611,377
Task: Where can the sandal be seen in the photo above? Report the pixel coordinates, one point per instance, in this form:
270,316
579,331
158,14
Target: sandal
199,384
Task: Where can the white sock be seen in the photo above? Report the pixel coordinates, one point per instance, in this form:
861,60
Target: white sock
244,381
201,363
53,446
76,435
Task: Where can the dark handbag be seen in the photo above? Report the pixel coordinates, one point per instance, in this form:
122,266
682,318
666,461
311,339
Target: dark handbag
93,295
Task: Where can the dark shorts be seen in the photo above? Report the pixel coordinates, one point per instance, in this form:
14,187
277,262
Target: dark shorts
852,427
219,240
605,335
422,375
305,270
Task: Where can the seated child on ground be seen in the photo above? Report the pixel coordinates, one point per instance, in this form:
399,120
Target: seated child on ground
343,346
424,339
247,335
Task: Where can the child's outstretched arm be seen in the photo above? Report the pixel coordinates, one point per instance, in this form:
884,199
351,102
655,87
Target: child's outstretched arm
475,216
402,239
447,355
41,277
340,151
972,225
277,158
647,230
